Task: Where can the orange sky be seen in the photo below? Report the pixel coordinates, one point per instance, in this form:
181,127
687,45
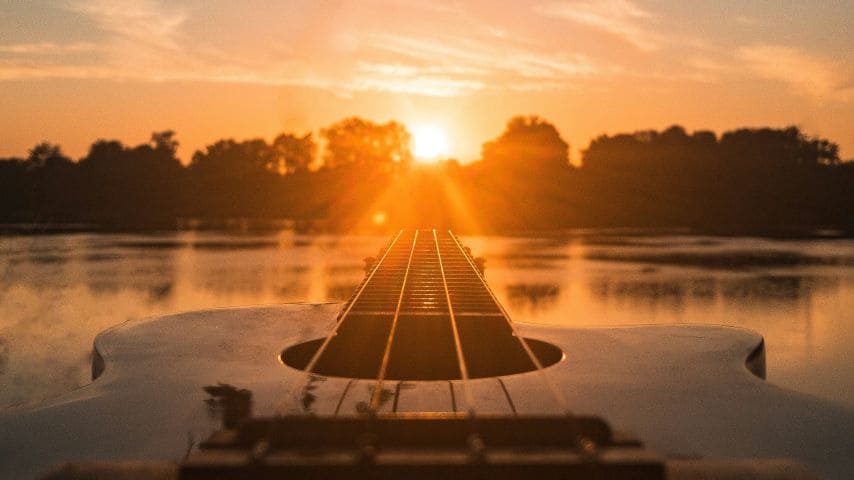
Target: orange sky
75,71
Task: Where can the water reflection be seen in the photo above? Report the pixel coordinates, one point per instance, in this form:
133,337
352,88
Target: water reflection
340,292
145,244
645,241
534,296
283,280
101,257
733,260
46,259
236,245
655,291
161,292
529,254
774,288
751,289
57,292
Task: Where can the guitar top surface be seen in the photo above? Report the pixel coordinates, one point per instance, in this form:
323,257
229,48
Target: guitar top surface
685,390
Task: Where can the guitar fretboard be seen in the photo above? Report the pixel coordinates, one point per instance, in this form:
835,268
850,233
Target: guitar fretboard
423,312
421,281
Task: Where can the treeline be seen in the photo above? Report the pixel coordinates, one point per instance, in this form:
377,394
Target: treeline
747,179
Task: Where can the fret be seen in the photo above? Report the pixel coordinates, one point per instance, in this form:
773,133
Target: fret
423,312
375,399
424,291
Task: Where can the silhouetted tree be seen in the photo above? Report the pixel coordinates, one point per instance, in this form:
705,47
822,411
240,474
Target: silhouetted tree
235,179
103,155
16,185
769,148
165,142
46,155
527,143
230,158
293,153
51,181
137,186
355,141
750,177
522,180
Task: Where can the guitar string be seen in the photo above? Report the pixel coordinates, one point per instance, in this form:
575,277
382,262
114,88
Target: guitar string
300,383
507,396
558,396
343,395
375,398
464,373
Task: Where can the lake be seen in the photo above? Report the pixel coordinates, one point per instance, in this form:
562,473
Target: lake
58,291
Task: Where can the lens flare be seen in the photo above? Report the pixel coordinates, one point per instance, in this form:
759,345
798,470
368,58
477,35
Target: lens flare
379,218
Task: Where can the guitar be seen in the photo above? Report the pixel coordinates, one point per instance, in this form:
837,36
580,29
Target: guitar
421,371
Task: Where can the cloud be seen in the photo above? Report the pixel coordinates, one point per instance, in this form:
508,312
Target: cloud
468,55
439,81
621,18
435,86
426,5
745,20
145,23
48,48
806,74
147,40
23,71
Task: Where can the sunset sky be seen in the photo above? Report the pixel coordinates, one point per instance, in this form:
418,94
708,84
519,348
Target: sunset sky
74,71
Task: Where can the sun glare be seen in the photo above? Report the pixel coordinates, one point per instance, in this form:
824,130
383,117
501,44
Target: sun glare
431,143
379,218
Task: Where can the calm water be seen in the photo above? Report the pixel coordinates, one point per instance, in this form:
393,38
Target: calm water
57,292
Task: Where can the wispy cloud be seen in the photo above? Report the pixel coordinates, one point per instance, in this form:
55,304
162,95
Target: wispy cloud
622,18
145,23
806,74
439,81
154,40
30,71
48,48
149,40
745,20
476,57
440,6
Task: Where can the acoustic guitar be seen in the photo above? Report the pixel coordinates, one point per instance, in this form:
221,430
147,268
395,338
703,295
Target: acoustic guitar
422,374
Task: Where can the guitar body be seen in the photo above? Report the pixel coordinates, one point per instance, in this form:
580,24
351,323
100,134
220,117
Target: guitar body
684,390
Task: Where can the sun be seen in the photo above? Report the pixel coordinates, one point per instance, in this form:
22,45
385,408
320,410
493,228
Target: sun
430,143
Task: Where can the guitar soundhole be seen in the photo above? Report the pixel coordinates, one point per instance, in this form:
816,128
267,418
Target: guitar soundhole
422,361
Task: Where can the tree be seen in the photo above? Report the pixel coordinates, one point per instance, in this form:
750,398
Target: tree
46,155
771,149
103,154
293,153
355,141
530,143
165,142
235,179
230,158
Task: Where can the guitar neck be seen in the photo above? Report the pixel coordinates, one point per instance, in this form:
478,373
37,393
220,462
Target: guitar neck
424,312
424,272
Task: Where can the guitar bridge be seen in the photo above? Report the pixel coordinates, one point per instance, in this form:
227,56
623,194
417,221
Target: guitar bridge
422,446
